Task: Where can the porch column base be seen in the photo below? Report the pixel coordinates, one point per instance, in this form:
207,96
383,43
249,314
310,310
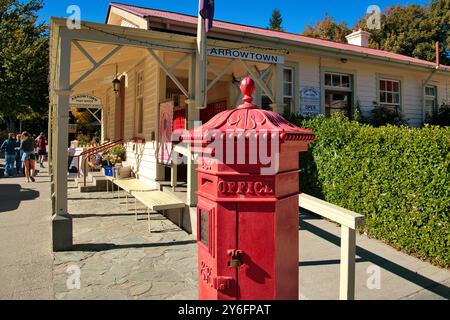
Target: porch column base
62,236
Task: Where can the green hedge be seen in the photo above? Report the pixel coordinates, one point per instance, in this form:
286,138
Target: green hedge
397,177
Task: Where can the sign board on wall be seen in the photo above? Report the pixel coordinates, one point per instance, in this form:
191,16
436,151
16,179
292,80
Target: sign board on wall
85,101
165,132
73,128
309,101
245,55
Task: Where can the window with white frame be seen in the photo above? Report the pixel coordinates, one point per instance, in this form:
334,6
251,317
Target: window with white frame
140,102
288,89
431,100
389,93
339,81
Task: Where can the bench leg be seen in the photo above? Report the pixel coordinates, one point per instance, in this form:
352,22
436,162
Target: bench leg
148,219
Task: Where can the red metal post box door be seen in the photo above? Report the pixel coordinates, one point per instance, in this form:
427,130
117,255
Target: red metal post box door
216,239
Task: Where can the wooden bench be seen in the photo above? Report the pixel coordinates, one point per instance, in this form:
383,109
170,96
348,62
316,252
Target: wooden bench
129,185
158,201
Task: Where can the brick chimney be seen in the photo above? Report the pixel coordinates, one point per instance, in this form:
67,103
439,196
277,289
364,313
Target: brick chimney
359,38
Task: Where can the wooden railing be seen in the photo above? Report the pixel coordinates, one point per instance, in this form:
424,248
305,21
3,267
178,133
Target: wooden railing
92,151
349,221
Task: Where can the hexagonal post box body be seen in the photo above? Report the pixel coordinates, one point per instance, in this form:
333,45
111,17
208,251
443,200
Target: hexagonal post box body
247,212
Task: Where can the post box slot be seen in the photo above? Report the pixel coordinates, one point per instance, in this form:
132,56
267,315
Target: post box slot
206,181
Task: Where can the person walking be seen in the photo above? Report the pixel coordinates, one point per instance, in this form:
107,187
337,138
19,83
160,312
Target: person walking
41,145
19,168
9,146
27,148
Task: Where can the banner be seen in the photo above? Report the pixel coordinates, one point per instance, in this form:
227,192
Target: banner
206,10
165,132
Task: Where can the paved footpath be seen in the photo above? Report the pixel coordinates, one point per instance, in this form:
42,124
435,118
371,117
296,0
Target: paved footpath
26,259
119,259
382,272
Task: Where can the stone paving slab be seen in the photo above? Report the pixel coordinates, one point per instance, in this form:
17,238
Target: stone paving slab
119,259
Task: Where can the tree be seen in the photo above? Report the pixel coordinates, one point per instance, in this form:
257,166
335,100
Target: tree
413,30
328,29
275,21
23,62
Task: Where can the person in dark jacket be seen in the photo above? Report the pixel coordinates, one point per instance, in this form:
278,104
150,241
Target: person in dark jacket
9,146
19,168
28,157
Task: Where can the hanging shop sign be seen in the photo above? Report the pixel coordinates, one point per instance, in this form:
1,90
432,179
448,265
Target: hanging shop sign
245,55
85,101
310,101
165,132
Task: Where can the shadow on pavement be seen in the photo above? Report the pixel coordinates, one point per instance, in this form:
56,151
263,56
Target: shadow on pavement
409,275
95,247
11,195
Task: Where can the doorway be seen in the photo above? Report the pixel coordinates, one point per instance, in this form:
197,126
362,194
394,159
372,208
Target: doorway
338,101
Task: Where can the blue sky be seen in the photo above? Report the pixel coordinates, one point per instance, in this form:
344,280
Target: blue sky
296,13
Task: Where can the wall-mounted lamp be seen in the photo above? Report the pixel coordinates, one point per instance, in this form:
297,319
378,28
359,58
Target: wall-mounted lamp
234,79
116,82
344,60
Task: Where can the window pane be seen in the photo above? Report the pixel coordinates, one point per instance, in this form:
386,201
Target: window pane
389,85
346,81
382,97
382,85
288,89
328,79
396,87
140,115
389,98
430,91
396,98
287,75
336,80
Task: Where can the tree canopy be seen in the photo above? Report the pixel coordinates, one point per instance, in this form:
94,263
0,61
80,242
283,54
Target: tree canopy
275,21
23,61
410,30
328,29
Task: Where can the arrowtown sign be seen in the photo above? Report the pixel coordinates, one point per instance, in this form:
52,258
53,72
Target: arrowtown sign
245,55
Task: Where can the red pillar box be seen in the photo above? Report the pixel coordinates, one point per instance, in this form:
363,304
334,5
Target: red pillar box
247,214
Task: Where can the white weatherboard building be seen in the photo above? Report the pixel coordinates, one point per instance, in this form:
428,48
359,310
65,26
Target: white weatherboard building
155,55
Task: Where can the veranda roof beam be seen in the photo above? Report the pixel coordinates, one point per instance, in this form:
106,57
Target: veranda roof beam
84,52
220,74
176,64
258,80
168,72
95,66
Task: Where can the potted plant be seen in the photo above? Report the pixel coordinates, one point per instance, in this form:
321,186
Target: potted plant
112,158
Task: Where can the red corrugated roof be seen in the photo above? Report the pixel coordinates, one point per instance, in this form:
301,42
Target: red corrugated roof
144,12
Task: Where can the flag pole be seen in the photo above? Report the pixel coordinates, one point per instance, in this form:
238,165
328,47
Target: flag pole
201,64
